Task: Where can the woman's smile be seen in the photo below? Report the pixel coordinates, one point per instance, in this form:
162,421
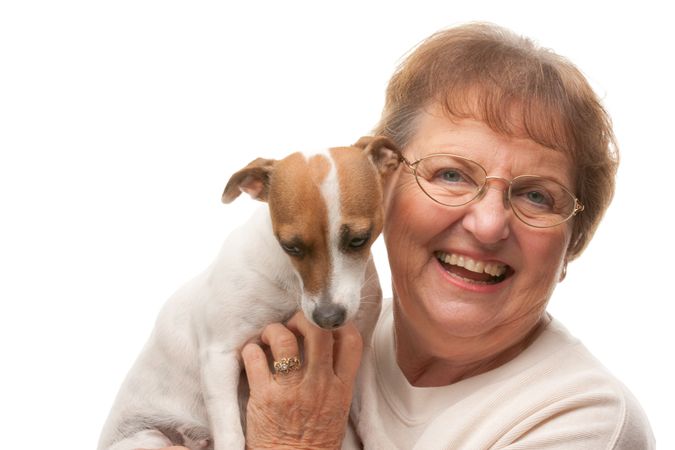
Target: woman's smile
481,272
474,275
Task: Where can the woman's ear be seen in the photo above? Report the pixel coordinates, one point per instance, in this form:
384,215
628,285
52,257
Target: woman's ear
563,272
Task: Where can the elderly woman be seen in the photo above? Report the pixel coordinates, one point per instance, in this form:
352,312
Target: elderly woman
508,164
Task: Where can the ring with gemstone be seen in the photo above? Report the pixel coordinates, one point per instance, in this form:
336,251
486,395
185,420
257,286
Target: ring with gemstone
286,365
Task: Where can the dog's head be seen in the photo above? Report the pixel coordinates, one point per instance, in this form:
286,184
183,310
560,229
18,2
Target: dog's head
326,211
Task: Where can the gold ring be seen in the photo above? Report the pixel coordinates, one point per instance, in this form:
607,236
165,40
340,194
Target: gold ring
287,365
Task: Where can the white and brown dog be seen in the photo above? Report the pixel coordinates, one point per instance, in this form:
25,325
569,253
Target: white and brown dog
309,250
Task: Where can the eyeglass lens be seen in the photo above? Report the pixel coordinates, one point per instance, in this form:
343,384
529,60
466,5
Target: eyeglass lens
455,181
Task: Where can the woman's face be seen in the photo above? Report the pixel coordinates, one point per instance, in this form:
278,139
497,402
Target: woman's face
436,301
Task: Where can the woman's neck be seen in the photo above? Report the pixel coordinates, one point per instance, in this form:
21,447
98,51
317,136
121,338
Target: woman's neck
453,360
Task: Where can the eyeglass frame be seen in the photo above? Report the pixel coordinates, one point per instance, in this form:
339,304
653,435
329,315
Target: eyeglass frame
480,192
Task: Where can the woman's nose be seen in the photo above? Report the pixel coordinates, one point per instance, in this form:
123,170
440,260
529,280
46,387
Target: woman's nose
488,217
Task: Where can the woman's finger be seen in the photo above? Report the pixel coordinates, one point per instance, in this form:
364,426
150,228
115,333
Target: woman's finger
285,350
255,364
318,343
348,349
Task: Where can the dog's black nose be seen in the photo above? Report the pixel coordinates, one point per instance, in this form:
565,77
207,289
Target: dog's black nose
329,316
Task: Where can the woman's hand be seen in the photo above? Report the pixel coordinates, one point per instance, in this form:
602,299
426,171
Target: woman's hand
305,408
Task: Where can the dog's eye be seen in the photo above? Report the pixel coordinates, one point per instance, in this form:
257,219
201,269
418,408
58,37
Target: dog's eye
354,238
291,249
358,242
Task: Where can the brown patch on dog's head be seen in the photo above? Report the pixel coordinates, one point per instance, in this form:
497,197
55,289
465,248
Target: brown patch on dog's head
300,217
362,170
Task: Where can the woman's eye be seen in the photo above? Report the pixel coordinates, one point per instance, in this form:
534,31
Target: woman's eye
536,197
451,175
539,198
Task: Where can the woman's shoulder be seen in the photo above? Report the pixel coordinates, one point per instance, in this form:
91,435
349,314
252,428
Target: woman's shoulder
565,360
556,390
562,381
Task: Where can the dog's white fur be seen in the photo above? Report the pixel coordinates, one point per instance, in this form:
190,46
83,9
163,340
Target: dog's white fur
183,388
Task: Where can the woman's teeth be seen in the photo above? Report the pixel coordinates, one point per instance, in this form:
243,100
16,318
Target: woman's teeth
494,269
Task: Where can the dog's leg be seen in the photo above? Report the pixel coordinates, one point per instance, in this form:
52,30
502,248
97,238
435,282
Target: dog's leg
220,376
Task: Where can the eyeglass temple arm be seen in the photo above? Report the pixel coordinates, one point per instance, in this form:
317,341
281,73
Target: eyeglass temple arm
403,159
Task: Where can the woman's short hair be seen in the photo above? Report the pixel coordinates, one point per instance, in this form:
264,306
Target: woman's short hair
488,73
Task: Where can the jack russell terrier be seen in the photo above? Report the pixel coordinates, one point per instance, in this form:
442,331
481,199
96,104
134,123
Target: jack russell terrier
309,250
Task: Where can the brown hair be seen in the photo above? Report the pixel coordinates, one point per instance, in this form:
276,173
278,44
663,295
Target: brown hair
488,73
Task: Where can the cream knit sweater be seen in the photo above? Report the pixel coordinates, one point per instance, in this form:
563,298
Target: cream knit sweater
554,395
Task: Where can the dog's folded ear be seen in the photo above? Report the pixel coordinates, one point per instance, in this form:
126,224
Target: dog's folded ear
382,152
252,179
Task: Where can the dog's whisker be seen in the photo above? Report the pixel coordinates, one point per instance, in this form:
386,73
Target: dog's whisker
367,280
368,304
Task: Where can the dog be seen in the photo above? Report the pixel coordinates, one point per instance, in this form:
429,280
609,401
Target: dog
308,250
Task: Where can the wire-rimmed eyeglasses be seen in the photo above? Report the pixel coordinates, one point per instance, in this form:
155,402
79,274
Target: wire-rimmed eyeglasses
453,180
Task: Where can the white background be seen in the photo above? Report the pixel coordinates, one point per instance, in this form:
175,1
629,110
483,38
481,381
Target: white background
120,123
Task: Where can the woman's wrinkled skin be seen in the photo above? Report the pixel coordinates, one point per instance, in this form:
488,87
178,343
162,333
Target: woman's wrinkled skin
447,328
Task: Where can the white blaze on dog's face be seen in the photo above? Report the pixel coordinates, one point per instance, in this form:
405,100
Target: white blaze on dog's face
326,211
